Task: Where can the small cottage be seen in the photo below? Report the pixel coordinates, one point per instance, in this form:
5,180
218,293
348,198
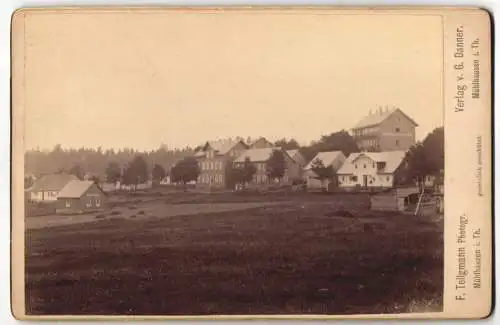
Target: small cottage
80,197
332,159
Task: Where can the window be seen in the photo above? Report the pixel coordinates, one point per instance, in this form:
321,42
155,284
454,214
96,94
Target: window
97,202
89,203
373,165
68,204
364,165
388,178
397,129
397,143
355,165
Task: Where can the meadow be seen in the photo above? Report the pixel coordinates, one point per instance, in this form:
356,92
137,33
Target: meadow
200,254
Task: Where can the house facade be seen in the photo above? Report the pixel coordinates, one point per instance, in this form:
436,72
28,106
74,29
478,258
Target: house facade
80,197
371,169
385,130
47,187
259,158
214,159
331,159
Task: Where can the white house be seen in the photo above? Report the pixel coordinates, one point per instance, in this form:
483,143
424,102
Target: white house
47,187
332,159
370,169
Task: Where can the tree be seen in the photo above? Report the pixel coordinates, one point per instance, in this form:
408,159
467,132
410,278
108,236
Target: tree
341,141
241,174
113,172
158,173
136,172
185,170
322,172
77,170
248,170
275,166
287,144
424,158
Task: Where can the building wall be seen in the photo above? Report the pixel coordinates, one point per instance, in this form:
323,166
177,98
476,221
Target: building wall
92,200
213,167
292,172
44,196
396,133
365,167
301,161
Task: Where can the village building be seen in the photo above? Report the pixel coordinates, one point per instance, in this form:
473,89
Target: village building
214,158
371,169
385,130
299,159
260,156
331,159
47,187
80,197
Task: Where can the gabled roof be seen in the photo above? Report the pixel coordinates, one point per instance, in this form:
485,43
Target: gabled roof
75,189
378,117
293,152
269,143
392,161
222,147
258,154
52,182
327,157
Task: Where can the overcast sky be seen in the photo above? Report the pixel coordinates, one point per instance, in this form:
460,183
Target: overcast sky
140,79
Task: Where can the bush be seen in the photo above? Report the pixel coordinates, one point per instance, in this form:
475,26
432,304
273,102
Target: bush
141,213
100,216
115,213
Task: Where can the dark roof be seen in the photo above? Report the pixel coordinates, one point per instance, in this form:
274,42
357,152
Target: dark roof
52,182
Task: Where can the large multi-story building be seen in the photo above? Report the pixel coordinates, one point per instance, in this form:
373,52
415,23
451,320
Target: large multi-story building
385,130
213,160
259,157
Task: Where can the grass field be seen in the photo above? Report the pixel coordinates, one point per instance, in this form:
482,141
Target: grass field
289,255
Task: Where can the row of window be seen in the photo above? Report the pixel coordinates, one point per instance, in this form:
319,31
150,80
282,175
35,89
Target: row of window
354,178
366,131
89,203
211,165
364,165
209,179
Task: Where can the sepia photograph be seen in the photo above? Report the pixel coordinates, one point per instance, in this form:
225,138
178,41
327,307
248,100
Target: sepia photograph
232,162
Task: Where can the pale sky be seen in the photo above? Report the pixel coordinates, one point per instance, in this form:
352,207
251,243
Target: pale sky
139,79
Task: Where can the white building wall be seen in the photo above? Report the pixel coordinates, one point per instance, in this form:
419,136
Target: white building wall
365,168
45,196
